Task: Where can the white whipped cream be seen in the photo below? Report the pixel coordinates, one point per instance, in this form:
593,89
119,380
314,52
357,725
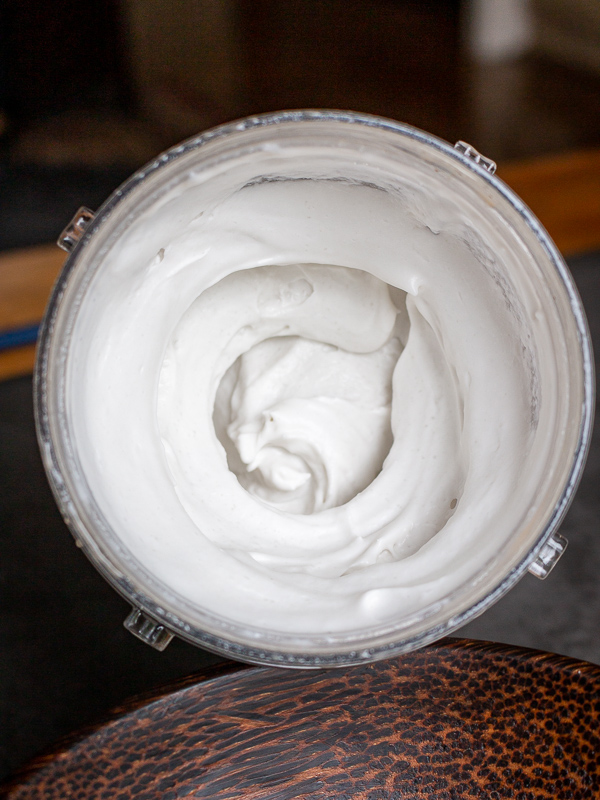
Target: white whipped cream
304,405
303,410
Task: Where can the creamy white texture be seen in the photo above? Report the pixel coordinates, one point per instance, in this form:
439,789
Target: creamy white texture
304,412
306,425
346,500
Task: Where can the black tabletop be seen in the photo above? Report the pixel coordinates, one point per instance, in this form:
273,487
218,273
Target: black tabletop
65,658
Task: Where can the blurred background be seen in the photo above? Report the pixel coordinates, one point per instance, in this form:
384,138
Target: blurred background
89,91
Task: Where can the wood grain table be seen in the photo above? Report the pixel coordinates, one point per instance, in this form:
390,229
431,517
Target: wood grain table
454,721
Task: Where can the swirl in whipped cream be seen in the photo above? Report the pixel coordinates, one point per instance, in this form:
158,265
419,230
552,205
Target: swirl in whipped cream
303,408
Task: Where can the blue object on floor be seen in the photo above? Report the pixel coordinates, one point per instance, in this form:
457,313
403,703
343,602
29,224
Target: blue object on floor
19,337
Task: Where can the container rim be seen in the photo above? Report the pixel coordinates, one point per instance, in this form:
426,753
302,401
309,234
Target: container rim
264,654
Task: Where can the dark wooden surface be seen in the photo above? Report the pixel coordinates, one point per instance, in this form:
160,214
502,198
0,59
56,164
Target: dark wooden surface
459,719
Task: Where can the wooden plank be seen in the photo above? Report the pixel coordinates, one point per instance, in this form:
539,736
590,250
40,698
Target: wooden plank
19,361
26,280
563,191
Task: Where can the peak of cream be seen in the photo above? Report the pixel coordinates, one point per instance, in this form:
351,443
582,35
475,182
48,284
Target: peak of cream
308,406
303,411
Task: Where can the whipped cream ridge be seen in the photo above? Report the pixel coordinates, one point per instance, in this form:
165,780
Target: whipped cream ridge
308,406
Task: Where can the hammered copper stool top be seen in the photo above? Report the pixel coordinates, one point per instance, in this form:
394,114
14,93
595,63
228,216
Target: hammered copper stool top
456,720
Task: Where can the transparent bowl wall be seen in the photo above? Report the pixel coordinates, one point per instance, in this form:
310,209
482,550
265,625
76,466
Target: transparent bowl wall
339,146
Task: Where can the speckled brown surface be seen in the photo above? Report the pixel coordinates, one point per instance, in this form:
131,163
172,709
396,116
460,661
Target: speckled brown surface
456,720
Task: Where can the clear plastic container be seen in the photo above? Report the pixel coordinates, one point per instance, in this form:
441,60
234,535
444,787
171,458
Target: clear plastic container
352,148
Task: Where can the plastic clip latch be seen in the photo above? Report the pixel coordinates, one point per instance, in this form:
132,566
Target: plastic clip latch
470,152
548,556
147,629
75,229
